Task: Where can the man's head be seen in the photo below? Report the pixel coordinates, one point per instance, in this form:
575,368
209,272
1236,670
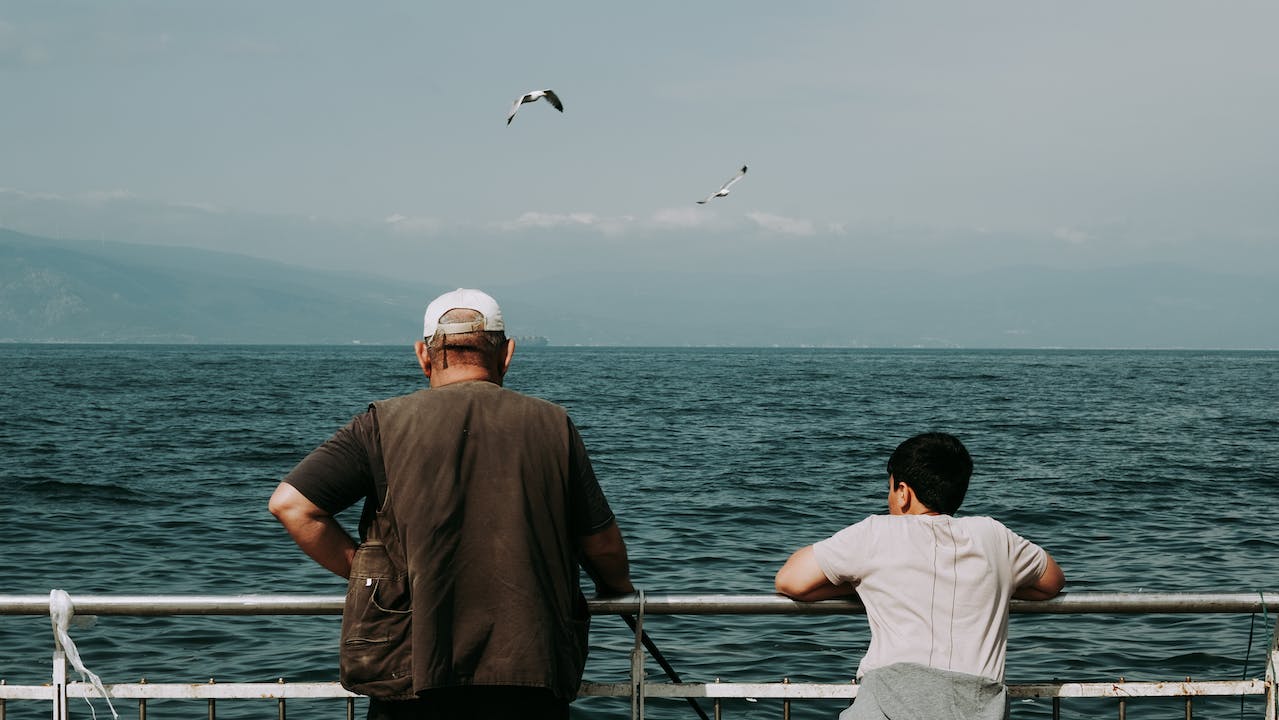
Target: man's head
936,467
464,338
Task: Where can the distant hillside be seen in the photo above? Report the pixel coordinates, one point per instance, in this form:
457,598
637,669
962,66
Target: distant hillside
114,292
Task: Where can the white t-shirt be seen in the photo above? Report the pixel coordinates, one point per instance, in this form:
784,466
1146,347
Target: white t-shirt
936,588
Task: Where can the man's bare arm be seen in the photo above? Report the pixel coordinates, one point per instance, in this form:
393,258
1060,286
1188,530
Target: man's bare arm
314,530
801,578
604,557
1047,586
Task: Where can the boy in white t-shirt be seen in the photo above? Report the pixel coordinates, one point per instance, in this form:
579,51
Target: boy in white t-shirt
936,589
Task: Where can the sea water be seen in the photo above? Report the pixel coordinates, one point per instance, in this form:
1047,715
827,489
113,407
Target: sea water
145,470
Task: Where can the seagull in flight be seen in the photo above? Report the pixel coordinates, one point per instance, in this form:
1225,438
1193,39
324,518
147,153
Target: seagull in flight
550,96
724,190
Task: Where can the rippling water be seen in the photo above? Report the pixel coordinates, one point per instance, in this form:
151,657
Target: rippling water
146,470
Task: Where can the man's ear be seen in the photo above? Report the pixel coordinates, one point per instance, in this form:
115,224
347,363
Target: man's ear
510,352
423,357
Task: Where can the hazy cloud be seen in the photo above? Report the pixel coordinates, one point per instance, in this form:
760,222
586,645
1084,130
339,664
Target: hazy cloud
545,221
92,197
661,220
615,225
201,206
405,225
1073,236
689,217
25,195
781,224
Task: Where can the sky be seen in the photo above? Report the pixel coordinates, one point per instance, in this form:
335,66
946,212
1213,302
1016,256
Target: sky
935,135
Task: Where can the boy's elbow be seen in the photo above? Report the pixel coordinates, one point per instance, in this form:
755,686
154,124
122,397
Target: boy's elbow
786,584
1053,579
789,592
799,575
1055,584
780,586
1048,586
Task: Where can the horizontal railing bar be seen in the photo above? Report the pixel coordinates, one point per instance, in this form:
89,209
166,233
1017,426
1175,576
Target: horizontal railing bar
26,692
755,691
1140,689
1066,603
654,604
214,691
810,691
796,691
148,605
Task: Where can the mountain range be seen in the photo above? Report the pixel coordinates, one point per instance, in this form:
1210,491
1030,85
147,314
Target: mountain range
86,291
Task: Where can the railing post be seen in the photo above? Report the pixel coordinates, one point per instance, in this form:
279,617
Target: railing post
59,683
1123,704
637,664
1272,673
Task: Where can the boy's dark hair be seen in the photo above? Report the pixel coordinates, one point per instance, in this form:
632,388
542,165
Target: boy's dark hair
936,466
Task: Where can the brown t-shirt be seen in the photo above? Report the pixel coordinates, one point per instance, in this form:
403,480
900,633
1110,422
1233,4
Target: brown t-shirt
348,468
488,491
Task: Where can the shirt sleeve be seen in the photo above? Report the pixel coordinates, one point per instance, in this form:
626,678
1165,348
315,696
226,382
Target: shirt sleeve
1028,560
841,556
590,510
338,474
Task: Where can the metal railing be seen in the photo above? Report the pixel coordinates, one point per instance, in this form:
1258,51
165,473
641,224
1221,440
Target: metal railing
638,688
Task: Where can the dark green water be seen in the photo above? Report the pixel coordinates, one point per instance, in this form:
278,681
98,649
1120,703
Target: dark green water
146,470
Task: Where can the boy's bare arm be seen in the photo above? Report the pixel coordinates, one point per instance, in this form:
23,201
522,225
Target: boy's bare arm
801,578
1047,586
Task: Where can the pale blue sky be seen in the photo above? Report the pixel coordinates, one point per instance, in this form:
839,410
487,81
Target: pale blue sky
372,136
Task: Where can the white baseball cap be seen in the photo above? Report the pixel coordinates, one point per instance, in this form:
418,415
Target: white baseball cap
462,299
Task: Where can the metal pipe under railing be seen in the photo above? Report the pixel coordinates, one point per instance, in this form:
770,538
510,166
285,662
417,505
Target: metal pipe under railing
654,604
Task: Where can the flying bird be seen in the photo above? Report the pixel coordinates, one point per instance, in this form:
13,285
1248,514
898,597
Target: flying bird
550,96
724,190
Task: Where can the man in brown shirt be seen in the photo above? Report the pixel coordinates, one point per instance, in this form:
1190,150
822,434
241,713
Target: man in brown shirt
463,596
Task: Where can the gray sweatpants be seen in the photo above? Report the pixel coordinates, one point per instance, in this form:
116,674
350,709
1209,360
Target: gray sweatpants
907,691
